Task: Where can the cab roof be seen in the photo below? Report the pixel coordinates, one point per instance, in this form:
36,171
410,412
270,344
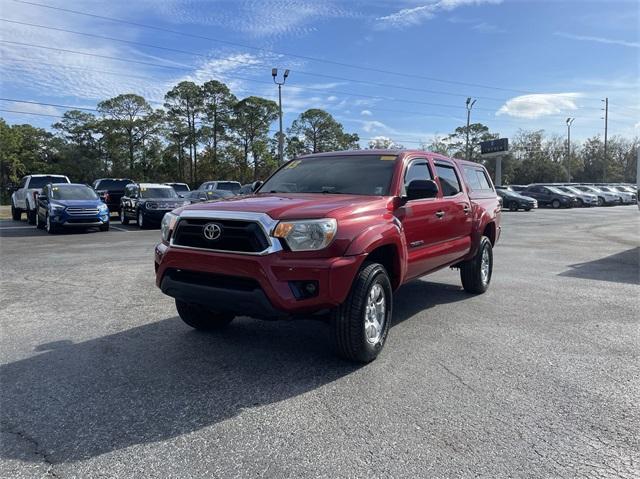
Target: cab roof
389,152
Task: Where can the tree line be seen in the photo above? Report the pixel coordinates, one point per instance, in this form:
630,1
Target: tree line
204,132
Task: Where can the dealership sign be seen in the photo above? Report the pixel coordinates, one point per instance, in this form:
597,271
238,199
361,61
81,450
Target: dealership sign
494,146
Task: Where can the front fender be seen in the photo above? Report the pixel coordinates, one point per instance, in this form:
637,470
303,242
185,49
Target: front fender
376,236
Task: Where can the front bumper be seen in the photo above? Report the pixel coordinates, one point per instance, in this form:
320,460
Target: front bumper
79,221
155,215
258,286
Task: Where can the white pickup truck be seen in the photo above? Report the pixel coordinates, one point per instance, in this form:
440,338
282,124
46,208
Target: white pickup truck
23,200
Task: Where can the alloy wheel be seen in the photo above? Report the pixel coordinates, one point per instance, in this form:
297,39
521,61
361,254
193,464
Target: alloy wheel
375,313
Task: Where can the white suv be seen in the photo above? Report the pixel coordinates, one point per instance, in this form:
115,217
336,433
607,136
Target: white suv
23,200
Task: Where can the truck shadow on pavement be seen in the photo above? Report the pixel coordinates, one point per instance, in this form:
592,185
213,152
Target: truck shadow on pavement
623,267
74,401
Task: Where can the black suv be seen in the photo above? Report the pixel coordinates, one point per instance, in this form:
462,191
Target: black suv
147,203
550,196
110,191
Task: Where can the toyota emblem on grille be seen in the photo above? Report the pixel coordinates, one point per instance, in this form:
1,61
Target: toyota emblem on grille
212,231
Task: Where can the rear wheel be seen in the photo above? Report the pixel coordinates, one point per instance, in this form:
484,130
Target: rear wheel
476,272
31,217
39,222
513,206
16,213
600,201
361,324
555,203
201,318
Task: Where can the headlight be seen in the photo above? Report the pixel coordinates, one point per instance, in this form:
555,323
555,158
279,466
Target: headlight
307,235
57,208
102,207
169,221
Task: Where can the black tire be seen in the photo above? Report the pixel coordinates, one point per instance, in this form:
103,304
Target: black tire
104,227
473,280
199,317
123,219
527,209
555,204
16,213
348,319
50,227
513,206
31,217
142,224
39,224
580,203
600,201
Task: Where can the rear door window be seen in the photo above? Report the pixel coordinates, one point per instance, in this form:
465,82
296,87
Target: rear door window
448,180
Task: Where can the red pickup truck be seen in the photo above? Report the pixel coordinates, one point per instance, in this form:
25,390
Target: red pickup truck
332,235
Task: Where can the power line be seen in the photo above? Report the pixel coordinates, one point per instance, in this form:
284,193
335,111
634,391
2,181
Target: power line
273,52
281,53
30,113
189,68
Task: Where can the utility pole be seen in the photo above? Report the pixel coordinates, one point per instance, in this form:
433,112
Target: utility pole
569,122
606,127
274,74
469,107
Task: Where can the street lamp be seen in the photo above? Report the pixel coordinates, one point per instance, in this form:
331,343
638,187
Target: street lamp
469,107
569,122
274,74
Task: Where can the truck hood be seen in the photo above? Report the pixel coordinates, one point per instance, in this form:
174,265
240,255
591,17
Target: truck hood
291,205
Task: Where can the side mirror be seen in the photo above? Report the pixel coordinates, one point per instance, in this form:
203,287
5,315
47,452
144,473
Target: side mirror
421,189
255,185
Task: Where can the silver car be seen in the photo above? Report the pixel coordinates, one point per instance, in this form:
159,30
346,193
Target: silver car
626,197
625,190
584,198
604,197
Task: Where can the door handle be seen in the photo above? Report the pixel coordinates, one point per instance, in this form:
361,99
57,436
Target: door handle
440,214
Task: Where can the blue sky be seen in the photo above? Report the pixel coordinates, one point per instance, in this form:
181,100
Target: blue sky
530,64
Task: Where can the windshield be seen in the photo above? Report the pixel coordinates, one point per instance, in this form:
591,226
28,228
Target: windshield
112,184
72,192
158,192
556,190
41,181
353,175
228,185
179,187
604,188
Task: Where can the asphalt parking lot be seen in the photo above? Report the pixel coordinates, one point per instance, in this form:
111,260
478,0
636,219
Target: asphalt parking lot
536,378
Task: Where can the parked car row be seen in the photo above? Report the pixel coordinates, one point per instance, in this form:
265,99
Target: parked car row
52,202
565,195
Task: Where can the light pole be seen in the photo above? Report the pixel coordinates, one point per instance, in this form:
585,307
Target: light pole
569,122
274,74
469,107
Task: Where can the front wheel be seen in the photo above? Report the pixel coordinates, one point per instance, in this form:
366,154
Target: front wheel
51,228
476,272
600,201
361,324
513,206
580,203
104,227
123,217
141,222
39,223
555,204
199,317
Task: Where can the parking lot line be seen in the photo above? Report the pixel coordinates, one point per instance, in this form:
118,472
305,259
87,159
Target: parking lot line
119,229
14,227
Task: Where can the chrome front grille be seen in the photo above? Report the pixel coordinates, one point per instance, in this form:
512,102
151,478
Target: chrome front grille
75,211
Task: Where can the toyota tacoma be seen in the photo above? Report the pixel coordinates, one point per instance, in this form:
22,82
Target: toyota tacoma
333,235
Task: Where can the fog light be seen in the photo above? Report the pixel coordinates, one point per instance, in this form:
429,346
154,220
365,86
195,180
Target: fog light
304,289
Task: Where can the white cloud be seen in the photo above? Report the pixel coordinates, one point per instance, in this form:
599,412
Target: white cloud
366,113
373,125
417,15
539,105
608,41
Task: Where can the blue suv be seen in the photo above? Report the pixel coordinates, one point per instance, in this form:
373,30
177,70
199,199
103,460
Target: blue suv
70,204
